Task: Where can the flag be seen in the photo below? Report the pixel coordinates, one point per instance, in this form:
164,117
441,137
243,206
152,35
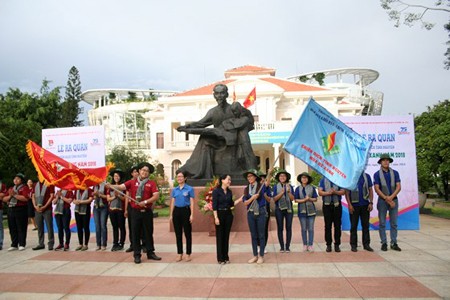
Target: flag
251,98
329,146
53,170
234,94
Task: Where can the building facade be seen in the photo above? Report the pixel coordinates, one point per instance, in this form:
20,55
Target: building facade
146,120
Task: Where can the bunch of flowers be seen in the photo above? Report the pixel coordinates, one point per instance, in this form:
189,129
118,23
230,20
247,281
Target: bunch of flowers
205,202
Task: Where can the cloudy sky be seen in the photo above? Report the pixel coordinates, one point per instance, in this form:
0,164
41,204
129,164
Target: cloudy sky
179,45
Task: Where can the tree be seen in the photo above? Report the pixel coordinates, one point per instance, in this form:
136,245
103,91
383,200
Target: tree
124,159
409,14
70,108
433,146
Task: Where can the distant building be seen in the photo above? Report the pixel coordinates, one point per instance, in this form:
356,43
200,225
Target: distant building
147,119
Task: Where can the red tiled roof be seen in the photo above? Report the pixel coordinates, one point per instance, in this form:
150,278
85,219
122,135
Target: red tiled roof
290,86
249,70
204,90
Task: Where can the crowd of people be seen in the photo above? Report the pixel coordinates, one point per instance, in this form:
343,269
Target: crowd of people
133,200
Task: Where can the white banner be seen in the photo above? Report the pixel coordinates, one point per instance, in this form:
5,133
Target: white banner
393,135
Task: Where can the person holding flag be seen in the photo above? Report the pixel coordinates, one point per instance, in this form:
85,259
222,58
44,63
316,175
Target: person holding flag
305,196
143,192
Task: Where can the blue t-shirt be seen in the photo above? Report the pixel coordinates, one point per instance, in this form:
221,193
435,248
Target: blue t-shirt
322,185
276,192
183,196
387,177
362,201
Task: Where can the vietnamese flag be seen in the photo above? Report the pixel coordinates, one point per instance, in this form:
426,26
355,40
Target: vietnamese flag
251,98
53,170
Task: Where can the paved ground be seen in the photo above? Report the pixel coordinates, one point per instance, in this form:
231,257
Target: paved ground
421,270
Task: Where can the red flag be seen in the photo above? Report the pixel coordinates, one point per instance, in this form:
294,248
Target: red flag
54,170
251,98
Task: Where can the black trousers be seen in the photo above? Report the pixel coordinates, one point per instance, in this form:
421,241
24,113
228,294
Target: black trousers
83,227
360,212
333,217
223,234
129,225
18,223
63,223
118,224
142,223
181,223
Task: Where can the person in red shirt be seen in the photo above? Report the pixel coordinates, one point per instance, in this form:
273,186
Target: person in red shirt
62,201
42,197
17,199
142,194
3,192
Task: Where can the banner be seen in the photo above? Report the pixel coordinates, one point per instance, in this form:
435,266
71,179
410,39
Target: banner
329,146
393,135
82,146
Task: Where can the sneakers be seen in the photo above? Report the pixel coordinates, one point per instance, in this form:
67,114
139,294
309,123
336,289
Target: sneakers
281,250
84,248
310,248
104,248
260,260
368,248
253,260
288,250
66,247
12,248
79,248
305,248
328,248
98,248
395,247
384,247
59,247
21,248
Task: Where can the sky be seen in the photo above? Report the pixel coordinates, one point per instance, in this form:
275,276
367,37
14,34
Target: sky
180,45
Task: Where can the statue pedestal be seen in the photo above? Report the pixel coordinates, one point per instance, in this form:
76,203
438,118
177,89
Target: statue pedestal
202,223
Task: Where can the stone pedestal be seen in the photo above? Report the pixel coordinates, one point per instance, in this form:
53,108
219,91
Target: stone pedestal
202,222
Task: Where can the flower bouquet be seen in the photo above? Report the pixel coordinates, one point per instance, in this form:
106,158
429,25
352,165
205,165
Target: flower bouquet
205,202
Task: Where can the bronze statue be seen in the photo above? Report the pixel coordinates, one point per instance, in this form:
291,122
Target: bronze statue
225,148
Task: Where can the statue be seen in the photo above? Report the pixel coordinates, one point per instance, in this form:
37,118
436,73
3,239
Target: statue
225,148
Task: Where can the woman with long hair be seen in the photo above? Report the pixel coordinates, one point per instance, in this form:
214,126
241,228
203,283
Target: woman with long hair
116,204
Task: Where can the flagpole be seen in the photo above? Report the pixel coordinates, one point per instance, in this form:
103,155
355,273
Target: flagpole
273,165
122,193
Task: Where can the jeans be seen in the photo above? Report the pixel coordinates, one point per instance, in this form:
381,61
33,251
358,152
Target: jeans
1,228
118,224
257,227
307,225
360,212
383,208
63,223
332,215
46,216
280,216
181,216
100,218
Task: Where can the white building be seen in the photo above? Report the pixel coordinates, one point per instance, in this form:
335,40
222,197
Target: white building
147,119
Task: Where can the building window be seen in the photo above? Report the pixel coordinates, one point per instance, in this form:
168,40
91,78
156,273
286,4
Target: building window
175,166
160,140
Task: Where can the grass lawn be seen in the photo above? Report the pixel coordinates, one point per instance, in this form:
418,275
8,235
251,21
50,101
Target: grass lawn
163,212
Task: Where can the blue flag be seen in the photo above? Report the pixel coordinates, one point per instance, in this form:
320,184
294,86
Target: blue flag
329,146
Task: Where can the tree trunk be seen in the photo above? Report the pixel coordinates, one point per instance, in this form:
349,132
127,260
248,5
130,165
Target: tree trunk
445,184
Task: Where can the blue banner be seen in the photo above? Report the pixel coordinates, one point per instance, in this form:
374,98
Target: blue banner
329,146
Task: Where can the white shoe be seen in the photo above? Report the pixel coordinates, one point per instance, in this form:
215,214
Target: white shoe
265,251
12,248
21,248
